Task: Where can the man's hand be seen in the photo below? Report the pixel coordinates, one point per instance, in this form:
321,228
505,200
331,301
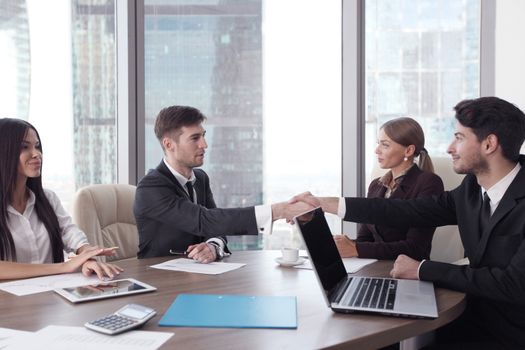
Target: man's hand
287,210
405,267
328,204
345,246
306,197
203,252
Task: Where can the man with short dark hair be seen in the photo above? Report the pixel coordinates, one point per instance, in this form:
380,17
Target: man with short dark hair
489,209
174,205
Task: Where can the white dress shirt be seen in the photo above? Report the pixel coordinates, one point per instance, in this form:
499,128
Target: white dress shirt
497,191
263,213
30,235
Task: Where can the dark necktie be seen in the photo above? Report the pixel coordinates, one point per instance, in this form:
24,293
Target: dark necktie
484,215
189,187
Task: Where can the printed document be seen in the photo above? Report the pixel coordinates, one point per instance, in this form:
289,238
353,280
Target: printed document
80,338
190,265
9,336
352,265
44,284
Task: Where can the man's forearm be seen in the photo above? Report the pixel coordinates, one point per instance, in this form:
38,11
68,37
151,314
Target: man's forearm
329,204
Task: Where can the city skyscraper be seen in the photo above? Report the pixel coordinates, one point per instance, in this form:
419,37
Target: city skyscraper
14,32
209,55
94,91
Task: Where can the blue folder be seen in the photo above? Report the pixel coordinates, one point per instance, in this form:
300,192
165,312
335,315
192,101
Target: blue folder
231,311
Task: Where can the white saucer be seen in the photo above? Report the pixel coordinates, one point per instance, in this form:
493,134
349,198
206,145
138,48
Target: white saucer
290,263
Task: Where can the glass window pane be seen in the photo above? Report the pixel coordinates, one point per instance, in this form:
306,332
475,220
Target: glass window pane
59,75
273,109
426,63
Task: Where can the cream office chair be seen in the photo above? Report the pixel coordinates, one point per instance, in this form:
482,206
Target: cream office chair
105,214
446,244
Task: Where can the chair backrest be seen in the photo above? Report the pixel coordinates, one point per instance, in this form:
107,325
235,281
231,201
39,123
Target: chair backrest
105,214
446,244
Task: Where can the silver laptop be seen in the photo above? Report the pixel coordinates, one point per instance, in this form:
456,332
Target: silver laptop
346,293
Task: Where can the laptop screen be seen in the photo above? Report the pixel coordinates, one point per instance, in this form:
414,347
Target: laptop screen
322,249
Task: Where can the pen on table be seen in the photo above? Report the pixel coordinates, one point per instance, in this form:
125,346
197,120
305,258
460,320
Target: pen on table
174,252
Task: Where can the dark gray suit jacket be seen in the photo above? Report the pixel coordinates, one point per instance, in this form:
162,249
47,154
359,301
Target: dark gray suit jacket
495,279
167,219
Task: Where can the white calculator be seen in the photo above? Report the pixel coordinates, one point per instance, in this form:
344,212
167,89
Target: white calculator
129,317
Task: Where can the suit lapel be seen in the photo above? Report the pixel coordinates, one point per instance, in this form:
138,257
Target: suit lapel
515,191
163,169
406,183
199,187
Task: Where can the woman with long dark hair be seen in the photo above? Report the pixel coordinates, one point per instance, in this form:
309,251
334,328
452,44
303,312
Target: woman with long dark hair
35,230
400,142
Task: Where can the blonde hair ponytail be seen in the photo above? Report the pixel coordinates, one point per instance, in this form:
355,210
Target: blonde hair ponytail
424,162
406,131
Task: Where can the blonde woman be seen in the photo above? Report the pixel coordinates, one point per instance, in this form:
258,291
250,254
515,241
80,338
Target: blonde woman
400,142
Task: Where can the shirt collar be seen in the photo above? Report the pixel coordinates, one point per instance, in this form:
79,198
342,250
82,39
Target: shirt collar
29,205
497,191
180,178
387,178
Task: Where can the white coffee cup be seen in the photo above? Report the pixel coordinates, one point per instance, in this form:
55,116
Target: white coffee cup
290,254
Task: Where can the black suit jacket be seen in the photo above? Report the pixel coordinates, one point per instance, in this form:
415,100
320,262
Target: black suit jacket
167,219
386,242
495,279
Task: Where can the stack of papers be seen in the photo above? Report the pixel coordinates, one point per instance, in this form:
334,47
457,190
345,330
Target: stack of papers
47,283
352,265
190,265
78,338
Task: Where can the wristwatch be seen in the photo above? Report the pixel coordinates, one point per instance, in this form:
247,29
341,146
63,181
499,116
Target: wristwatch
219,252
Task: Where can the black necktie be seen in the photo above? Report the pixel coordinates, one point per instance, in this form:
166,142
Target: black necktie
484,215
189,187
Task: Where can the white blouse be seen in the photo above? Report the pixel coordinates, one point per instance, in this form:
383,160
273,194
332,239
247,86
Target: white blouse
30,236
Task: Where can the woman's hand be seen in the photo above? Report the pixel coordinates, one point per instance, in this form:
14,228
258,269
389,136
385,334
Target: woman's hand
101,269
105,251
83,260
345,246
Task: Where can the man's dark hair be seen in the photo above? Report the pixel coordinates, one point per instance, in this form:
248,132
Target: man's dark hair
492,115
171,119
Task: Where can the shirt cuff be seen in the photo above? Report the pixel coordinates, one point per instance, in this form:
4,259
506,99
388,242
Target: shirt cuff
218,241
419,268
80,245
263,216
341,208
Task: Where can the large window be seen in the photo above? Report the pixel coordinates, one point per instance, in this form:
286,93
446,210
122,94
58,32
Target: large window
267,74
422,57
273,108
57,67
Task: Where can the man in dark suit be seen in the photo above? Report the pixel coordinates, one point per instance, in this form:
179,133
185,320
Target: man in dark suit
489,209
174,205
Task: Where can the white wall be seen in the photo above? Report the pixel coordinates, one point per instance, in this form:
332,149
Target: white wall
510,51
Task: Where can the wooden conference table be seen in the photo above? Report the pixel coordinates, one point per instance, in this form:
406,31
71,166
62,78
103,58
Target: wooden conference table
318,326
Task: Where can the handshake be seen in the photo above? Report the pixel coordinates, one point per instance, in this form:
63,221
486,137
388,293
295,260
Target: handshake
302,203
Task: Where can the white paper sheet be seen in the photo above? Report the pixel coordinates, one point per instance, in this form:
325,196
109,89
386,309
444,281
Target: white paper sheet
9,336
352,265
44,284
190,265
80,338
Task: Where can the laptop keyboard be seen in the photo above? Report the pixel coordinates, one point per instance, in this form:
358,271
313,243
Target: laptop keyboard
372,293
